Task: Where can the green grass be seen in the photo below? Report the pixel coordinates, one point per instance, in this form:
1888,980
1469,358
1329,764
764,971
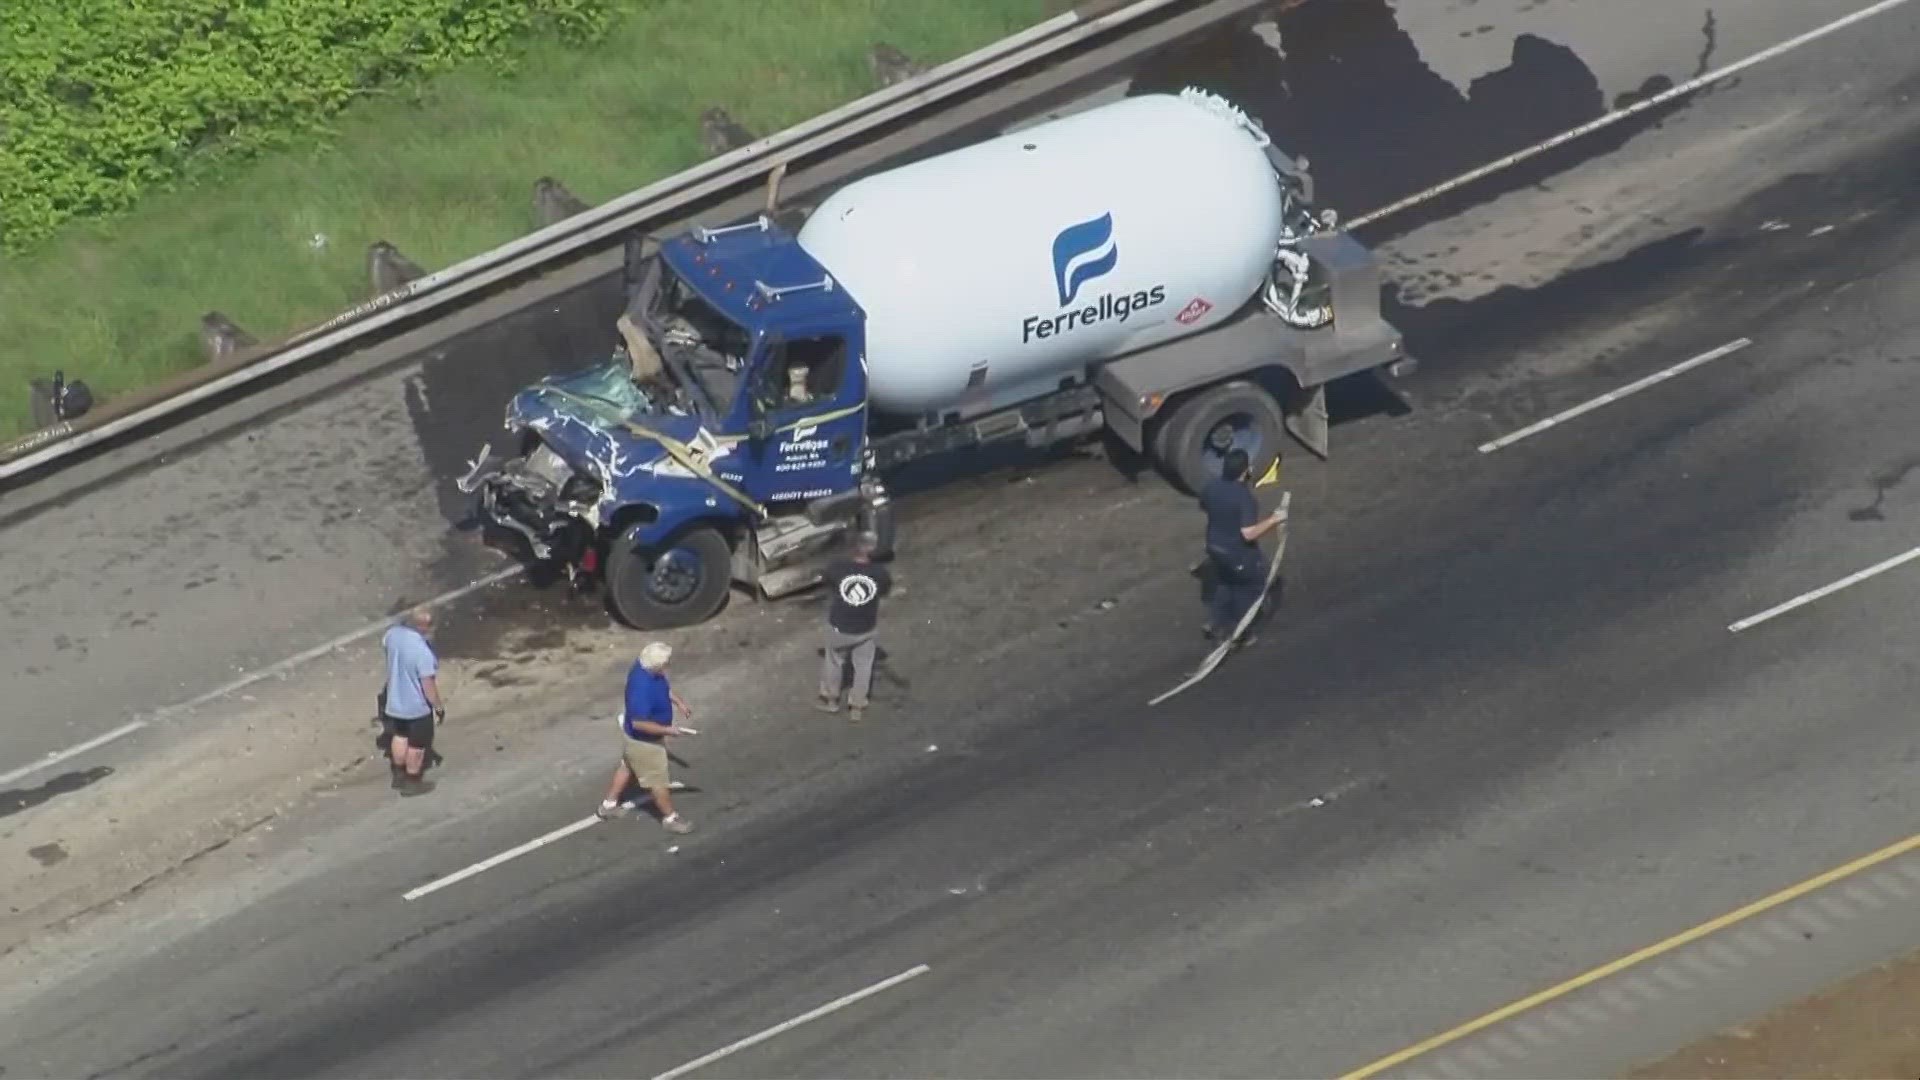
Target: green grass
443,171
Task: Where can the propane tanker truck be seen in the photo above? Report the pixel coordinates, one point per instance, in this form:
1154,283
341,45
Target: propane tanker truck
1152,267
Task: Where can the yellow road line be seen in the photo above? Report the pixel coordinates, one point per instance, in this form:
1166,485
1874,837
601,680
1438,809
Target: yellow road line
1658,948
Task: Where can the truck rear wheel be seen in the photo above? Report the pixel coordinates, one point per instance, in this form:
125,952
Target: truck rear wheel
1193,443
683,583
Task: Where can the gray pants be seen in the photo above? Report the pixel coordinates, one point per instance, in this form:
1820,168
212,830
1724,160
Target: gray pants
860,648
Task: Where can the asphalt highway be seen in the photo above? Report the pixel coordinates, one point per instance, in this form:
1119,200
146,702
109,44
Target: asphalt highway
1500,731
185,572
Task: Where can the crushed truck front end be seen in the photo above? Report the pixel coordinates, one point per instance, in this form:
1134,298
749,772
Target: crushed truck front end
593,488
615,473
673,468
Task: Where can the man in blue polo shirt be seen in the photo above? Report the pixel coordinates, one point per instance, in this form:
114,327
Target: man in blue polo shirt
1234,529
645,725
410,701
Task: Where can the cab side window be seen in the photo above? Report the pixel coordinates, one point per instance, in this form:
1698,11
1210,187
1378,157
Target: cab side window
803,372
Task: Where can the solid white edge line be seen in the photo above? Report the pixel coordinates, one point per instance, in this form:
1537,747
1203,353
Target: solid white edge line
279,667
832,1006
1615,395
1618,115
59,756
1825,590
508,855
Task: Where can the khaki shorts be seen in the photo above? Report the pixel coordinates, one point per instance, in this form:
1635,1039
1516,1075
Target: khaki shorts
647,760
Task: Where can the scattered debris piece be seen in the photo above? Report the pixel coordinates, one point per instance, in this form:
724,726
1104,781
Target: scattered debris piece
56,400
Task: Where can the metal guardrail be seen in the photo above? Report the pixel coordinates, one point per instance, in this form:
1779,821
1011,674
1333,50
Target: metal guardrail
362,324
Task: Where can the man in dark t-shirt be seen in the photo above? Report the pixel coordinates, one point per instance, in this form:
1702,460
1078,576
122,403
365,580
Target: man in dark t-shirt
1234,529
853,621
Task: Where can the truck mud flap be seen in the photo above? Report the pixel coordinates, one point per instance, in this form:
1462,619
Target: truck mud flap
1306,419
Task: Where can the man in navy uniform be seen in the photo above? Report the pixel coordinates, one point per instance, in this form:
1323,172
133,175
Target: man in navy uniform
853,620
1234,529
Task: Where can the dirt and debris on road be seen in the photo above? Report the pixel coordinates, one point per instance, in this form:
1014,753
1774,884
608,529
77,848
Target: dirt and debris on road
1867,1026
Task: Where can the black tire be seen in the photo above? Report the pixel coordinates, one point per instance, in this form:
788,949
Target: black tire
1188,446
1166,428
685,582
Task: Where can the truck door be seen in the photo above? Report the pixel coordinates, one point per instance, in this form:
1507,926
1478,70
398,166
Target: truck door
808,404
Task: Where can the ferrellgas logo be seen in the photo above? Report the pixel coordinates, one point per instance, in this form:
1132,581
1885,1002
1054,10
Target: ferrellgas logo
1082,253
1193,312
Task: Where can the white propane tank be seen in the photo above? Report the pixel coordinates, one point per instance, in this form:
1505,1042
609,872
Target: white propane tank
990,273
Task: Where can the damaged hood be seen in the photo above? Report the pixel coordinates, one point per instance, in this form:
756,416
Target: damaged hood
589,433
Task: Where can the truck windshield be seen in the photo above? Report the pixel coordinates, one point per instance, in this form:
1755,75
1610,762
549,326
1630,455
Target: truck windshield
699,342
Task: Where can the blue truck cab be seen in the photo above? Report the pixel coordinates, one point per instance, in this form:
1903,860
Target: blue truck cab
723,440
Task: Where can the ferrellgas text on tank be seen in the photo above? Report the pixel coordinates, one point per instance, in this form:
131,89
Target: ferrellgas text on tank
1111,306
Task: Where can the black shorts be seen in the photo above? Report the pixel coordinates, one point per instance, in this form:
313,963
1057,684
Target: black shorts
417,731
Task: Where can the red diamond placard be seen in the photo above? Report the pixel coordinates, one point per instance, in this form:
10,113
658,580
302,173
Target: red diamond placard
1193,312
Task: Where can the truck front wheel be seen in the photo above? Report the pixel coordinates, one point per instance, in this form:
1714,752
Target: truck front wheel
680,584
1194,442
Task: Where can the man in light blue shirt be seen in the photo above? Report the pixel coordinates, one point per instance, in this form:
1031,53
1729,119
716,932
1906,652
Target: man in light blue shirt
411,701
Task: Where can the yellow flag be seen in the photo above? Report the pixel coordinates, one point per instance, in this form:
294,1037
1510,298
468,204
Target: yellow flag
1272,476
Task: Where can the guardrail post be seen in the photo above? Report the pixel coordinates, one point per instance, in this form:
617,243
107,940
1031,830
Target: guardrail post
778,174
721,134
889,65
221,337
552,202
789,218
387,269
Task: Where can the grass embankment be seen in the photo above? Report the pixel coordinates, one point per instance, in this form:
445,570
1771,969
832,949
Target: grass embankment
443,168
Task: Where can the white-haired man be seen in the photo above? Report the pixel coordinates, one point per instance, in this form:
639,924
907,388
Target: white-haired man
645,725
